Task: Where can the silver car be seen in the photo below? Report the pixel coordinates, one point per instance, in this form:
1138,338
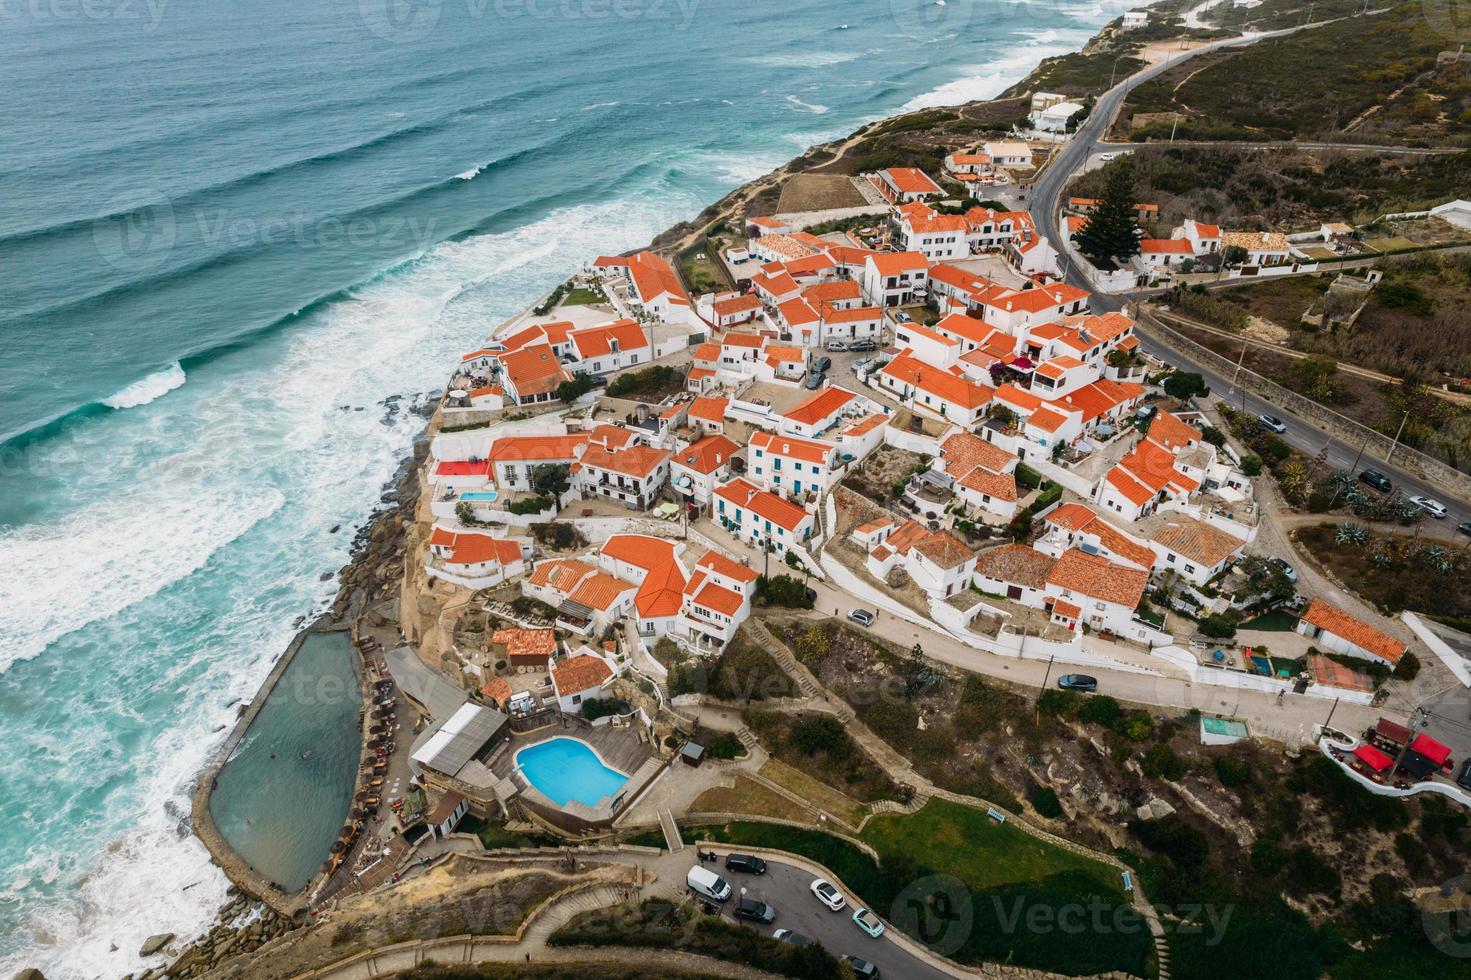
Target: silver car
861,616
1430,506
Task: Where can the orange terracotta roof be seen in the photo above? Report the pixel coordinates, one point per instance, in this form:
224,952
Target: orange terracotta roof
1098,578
709,409
533,449
597,341
707,455
1198,541
533,370
720,599
635,461
497,689
471,548
964,451
896,263
942,384
747,303
1331,673
1062,607
580,673
763,504
742,340
1016,564
728,567
911,180
792,447
821,405
866,425
1330,618
560,574
599,591
526,642
1172,432
1080,518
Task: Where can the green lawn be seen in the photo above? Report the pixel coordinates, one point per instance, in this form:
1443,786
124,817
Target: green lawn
1018,887
581,297
1276,621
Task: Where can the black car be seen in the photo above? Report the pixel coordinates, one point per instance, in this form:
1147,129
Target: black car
749,908
1465,528
1077,682
811,594
745,863
1376,480
795,938
863,345
822,364
861,968
1464,779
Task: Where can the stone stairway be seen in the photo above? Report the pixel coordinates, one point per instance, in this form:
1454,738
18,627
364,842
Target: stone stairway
747,739
779,652
587,900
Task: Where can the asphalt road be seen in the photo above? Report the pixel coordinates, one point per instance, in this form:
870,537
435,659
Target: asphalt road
1044,206
785,888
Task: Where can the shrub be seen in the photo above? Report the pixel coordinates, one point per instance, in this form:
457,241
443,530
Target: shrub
1174,838
595,708
724,746
1182,385
1137,726
1251,465
1100,709
1213,435
1027,477
1267,857
1218,626
1408,667
1044,801
530,505
1231,772
1160,760
649,380
782,590
821,733
1055,702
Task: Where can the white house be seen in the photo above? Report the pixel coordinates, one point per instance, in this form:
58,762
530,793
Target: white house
610,347
1194,549
788,465
698,468
1009,153
933,391
900,185
1339,632
895,278
628,472
759,517
1105,593
1054,118
473,559
1135,19
936,561
1074,525
1204,239
579,678
717,599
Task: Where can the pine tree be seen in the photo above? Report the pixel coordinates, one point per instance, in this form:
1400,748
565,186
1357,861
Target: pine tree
1111,231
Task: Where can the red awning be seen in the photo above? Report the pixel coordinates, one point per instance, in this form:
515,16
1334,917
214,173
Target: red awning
1431,749
1373,758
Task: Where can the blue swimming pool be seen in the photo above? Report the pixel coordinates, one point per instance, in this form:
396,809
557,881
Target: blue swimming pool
567,769
480,496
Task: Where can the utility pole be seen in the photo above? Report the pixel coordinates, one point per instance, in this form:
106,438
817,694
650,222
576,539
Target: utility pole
1360,454
1330,713
1046,676
1397,432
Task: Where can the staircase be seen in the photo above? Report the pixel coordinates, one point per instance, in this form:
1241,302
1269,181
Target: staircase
806,683
587,900
672,839
747,739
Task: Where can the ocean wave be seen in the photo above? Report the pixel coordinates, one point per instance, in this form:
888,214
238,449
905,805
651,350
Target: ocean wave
988,81
148,389
474,172
811,107
803,59
122,551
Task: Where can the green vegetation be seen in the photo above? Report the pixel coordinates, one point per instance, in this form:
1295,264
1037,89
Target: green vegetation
569,391
782,590
1112,232
744,672
530,505
650,383
820,747
494,835
1182,385
579,296
1393,572
1006,870
660,924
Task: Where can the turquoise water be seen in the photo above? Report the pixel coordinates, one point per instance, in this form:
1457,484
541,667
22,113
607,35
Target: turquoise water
239,239
474,495
568,769
283,796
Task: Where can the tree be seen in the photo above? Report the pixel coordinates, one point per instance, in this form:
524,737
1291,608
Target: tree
1317,377
551,479
464,513
1218,626
1266,579
570,391
1234,255
1251,465
1112,232
1181,385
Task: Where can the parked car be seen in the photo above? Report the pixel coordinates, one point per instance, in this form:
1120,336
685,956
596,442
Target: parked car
870,923
1465,528
827,893
1077,682
902,317
1464,779
756,911
1107,157
1430,506
861,968
863,345
795,938
1287,569
745,863
811,594
1273,422
861,616
703,881
836,345
1376,480
814,381
822,364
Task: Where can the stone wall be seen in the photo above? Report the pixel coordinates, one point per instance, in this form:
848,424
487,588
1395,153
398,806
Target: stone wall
1376,445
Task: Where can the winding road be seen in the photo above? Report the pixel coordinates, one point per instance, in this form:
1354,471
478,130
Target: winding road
1044,204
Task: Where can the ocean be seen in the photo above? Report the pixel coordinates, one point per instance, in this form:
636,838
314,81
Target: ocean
237,242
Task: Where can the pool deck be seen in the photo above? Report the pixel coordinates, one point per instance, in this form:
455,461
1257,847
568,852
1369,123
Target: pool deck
620,748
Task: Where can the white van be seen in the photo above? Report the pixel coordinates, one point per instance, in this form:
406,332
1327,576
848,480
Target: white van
707,883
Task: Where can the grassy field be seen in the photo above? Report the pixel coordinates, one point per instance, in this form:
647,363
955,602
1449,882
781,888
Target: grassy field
816,792
818,192
1004,871
747,796
1361,80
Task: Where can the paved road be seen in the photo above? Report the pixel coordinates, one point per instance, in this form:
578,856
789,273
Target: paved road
785,888
1044,207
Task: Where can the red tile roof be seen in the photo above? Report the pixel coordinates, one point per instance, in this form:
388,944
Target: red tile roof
1098,578
1331,619
580,673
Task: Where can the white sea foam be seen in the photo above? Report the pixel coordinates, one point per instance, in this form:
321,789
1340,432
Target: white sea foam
599,105
803,59
148,389
473,172
989,80
811,107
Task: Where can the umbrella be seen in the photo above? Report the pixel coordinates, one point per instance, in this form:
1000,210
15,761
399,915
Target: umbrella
338,847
